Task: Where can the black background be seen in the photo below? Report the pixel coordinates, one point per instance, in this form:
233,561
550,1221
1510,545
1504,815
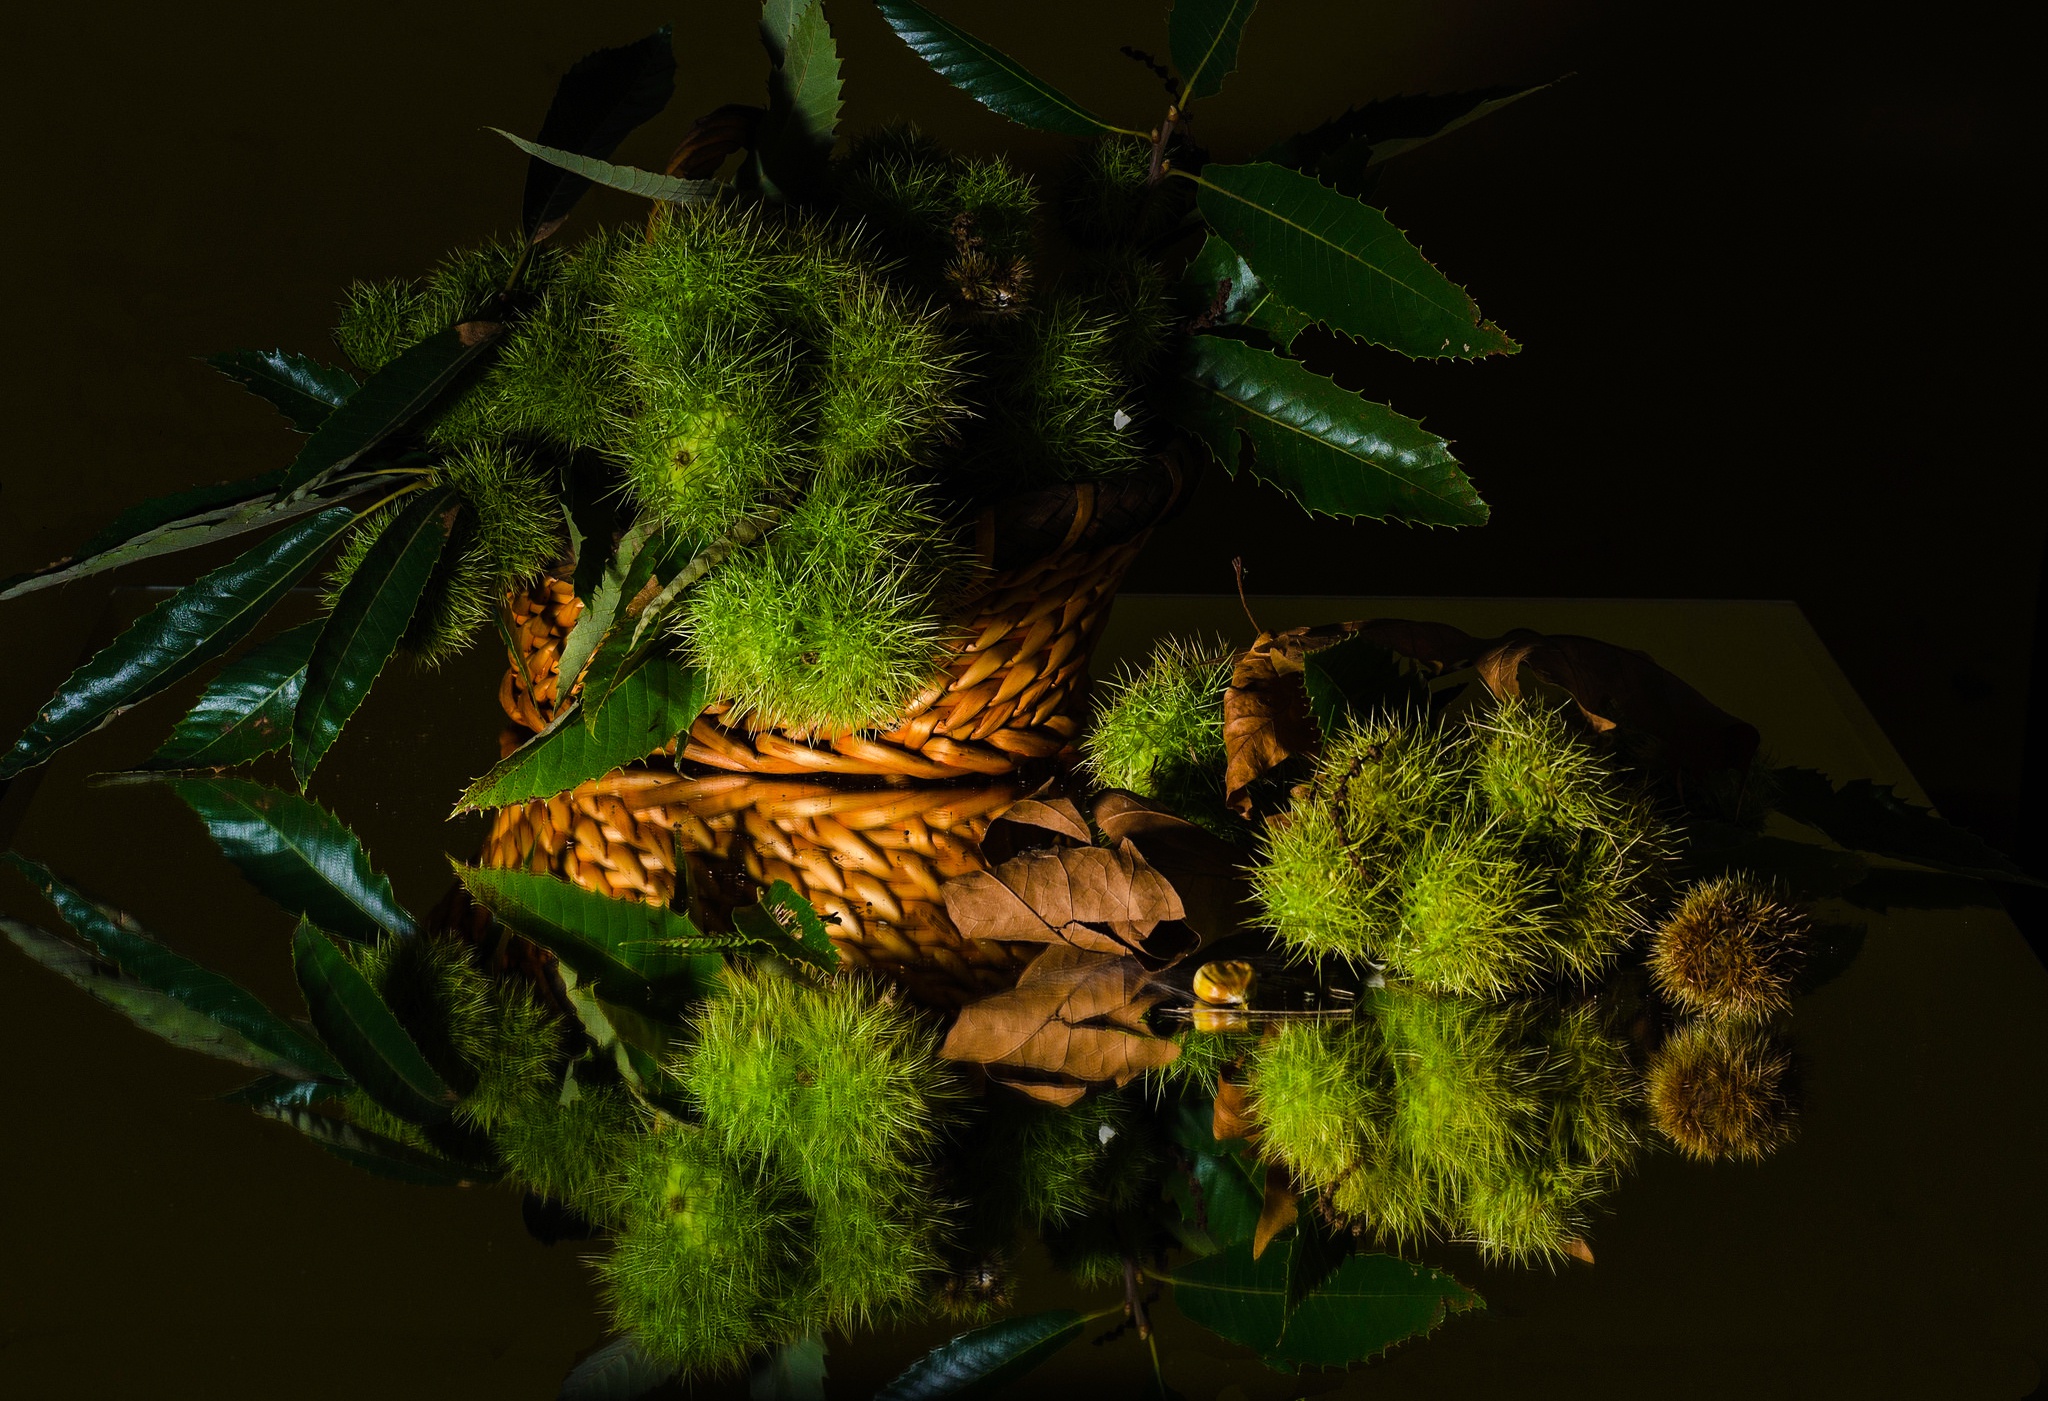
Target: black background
1765,260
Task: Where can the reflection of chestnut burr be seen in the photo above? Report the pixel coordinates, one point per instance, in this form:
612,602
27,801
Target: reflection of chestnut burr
1729,950
1723,1091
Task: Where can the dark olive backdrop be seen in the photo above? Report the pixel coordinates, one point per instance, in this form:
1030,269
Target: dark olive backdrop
1763,257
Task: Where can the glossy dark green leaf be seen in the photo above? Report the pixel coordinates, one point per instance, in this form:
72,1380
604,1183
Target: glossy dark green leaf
1342,151
659,700
629,952
982,1361
366,623
1219,288
1357,679
165,992
601,99
302,389
1329,449
603,599
373,1152
634,181
186,520
298,854
284,1092
621,1370
1362,1308
1341,263
802,122
1872,817
1221,1189
668,562
800,924
591,503
392,398
1203,36
185,631
989,76
363,1033
247,710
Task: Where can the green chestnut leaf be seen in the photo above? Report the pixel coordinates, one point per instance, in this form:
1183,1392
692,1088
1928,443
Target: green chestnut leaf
247,710
368,620
602,98
651,705
302,389
1342,263
162,992
984,1360
187,630
364,1034
634,181
299,855
1203,36
989,76
1328,448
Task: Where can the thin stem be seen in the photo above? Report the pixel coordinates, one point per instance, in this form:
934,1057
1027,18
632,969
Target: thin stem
373,508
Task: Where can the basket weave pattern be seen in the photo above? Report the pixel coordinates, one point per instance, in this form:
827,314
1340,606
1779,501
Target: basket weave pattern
1009,693
869,860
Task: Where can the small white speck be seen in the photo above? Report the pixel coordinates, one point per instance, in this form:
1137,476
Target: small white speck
1120,421
1104,1134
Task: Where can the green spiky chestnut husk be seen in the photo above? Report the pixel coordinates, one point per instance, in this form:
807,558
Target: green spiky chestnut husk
836,1085
1158,730
374,323
1064,408
1722,1090
706,1258
1730,949
510,529
888,379
709,442
1434,1116
899,183
1106,199
558,378
836,620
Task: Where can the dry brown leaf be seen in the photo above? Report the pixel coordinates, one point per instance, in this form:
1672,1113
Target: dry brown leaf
1203,869
1266,720
1095,899
1577,1248
1614,687
1073,1018
1282,1206
1059,815
1233,1116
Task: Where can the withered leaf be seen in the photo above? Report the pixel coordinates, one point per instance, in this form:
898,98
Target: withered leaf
1052,813
1281,1207
1614,687
1267,719
1202,867
1099,900
1074,1018
1233,1114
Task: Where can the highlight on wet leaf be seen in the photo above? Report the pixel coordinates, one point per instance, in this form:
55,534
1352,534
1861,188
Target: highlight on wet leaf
1342,263
192,627
989,76
299,855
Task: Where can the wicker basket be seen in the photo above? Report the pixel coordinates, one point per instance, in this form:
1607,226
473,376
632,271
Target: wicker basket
869,859
1012,689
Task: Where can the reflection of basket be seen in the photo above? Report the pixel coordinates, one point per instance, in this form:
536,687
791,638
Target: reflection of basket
869,859
1013,689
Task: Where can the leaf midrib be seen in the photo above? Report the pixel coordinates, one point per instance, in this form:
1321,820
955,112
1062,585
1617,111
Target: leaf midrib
1301,432
1305,231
